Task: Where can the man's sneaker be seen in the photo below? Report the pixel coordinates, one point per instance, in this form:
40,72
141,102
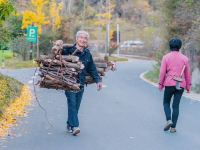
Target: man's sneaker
75,131
173,130
168,125
69,129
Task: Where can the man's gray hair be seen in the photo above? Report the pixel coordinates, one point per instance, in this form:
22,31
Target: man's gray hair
82,32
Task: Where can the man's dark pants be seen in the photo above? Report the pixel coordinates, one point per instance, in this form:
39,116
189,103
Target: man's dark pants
168,93
73,101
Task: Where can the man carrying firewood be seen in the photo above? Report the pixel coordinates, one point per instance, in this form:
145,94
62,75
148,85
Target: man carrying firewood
74,98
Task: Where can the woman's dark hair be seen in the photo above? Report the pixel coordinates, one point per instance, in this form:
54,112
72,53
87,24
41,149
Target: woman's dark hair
175,44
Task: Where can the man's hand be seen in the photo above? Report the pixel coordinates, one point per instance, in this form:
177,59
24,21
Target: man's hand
99,86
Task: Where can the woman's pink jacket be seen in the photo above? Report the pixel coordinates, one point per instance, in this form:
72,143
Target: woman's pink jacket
172,65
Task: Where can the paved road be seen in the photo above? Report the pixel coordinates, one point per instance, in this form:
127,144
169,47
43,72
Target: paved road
126,115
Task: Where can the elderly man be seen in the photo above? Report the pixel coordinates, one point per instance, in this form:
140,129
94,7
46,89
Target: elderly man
74,98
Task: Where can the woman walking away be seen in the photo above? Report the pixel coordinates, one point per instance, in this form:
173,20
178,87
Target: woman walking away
174,77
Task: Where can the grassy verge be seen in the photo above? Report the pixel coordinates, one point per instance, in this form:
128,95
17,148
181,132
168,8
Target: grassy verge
8,61
118,59
6,54
152,75
196,88
17,64
16,109
9,90
14,96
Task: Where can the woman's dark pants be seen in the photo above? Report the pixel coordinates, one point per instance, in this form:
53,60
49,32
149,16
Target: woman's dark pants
168,93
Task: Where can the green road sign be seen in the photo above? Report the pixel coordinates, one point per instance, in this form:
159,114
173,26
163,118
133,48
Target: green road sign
32,33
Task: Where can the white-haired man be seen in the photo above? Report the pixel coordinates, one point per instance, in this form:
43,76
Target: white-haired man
74,98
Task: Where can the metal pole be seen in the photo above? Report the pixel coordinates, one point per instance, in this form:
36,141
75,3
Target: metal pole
99,28
69,8
38,51
118,39
84,3
108,30
31,51
107,39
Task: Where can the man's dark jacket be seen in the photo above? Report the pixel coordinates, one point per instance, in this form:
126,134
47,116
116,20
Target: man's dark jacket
86,58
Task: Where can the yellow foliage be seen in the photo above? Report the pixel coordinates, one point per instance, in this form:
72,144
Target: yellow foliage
39,3
58,21
105,15
3,89
111,32
39,29
99,23
54,12
17,14
3,1
16,109
103,18
29,17
37,17
52,9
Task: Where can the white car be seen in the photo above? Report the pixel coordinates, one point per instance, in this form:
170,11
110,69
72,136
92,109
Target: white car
136,43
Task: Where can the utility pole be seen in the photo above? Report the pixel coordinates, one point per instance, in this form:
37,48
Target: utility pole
118,37
100,28
108,29
107,38
84,6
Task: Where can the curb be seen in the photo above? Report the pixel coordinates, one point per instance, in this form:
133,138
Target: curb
132,56
192,96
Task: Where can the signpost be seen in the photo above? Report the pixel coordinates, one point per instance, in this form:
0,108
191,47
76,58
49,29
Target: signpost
32,34
32,37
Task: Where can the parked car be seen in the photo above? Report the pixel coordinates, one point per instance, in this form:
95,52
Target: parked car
125,44
131,43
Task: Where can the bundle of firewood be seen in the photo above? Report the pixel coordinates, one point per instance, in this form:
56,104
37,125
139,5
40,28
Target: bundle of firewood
102,65
62,72
59,72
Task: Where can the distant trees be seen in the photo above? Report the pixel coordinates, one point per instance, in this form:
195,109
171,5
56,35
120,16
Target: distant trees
36,16
54,12
182,19
46,15
6,8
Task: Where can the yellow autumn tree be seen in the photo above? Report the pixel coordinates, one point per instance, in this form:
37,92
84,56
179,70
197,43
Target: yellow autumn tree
106,15
35,16
103,19
2,1
54,12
